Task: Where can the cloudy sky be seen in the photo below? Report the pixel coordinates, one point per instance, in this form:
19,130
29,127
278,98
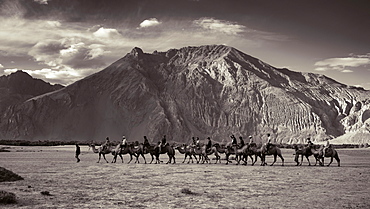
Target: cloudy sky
62,41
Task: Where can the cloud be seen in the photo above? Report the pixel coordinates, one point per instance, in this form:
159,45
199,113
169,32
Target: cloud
53,23
107,33
342,64
150,23
68,52
41,1
347,71
219,26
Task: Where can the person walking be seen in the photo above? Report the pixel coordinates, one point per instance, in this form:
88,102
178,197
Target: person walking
78,152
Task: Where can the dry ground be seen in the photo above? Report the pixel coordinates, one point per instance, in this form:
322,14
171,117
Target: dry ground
105,185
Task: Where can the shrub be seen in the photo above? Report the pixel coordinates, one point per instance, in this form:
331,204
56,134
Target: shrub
7,197
6,175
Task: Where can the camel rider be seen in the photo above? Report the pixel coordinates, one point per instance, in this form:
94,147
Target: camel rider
106,144
194,141
326,147
146,142
251,142
309,142
268,143
209,144
164,141
233,140
241,142
197,143
124,142
234,143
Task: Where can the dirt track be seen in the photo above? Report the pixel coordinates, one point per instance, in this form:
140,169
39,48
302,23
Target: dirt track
105,185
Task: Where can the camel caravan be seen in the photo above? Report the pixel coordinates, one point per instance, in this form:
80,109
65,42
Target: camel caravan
200,152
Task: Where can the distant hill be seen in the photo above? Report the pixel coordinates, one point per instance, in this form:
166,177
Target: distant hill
203,91
20,86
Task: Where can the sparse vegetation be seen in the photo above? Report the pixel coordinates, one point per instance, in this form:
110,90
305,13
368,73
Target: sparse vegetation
7,197
187,191
6,175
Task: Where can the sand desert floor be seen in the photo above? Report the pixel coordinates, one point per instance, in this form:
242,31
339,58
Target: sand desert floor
106,185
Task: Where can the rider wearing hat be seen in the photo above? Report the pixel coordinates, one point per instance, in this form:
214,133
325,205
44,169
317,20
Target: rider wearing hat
124,142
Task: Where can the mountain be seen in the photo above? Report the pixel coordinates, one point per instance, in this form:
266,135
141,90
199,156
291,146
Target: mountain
19,87
201,91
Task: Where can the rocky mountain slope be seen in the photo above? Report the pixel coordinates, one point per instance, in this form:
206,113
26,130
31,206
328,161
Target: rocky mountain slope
20,86
193,91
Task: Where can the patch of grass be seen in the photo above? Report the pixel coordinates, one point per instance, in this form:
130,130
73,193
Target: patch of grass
187,191
7,175
7,197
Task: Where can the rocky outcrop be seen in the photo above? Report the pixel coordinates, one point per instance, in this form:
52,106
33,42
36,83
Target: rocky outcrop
193,91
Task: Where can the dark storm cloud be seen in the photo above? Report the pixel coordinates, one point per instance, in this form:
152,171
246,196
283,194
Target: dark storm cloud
74,37
311,19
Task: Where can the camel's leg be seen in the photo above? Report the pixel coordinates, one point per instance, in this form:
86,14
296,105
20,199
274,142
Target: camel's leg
120,155
250,156
331,160
152,159
190,158
185,158
174,159
296,159
227,159
309,164
217,158
255,159
142,154
237,159
114,158
169,158
301,160
274,160
337,159
199,159
282,160
130,159
137,158
105,159
208,160
99,158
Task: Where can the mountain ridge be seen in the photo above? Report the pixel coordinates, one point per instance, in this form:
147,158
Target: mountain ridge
212,90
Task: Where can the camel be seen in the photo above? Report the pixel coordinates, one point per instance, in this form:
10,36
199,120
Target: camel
213,150
328,152
163,150
137,150
151,149
273,150
201,151
101,151
253,150
188,151
243,153
306,151
122,151
220,148
233,150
